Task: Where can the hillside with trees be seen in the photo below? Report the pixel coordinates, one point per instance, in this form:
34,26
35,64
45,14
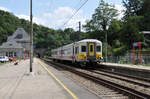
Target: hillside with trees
44,37
121,34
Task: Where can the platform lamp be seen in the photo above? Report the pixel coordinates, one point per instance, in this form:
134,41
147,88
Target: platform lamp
31,37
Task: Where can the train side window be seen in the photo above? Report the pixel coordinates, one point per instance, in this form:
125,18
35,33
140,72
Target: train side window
98,48
76,50
83,48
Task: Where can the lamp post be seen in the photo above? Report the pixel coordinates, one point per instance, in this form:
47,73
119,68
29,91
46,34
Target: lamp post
31,38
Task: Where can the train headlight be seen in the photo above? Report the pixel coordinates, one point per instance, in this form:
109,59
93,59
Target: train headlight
98,56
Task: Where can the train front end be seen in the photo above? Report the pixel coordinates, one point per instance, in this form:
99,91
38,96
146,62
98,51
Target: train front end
90,51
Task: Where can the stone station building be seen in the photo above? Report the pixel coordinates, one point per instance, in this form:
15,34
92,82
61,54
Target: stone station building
17,45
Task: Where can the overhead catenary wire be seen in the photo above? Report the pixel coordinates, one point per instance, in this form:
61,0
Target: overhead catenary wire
74,13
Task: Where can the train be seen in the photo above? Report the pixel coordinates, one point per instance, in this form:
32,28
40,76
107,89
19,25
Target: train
84,52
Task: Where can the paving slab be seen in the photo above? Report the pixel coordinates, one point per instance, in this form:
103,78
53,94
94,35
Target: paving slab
16,82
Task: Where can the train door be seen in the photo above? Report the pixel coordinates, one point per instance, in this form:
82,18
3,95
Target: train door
91,51
73,53
76,52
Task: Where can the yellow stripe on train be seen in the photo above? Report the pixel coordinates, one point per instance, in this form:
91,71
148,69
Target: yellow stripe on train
82,56
98,55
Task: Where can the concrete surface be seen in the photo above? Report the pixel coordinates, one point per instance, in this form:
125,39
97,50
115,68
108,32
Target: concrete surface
17,83
79,90
128,66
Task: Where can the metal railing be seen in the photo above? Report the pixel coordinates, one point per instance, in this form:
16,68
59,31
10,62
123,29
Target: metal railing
128,60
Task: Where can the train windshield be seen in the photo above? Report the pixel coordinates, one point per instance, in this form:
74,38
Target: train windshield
98,48
83,48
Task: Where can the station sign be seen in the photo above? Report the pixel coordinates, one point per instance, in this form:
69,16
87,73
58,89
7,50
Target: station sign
135,44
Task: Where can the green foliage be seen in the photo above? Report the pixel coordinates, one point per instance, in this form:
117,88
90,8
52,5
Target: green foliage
130,34
44,37
8,23
141,10
102,17
119,51
109,48
132,7
113,33
121,34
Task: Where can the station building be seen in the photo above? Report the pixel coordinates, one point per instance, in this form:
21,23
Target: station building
17,45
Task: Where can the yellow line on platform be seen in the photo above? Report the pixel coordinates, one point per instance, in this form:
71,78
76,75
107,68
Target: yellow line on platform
71,93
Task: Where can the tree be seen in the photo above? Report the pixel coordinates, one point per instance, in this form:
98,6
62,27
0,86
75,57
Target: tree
114,31
133,7
130,34
145,11
102,17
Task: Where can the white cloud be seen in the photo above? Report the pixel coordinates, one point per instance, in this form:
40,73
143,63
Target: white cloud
35,19
21,16
58,17
120,9
3,8
63,14
47,15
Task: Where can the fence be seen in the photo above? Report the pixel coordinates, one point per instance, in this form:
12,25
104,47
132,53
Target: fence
128,59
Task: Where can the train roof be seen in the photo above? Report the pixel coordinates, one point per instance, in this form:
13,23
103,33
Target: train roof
89,40
82,41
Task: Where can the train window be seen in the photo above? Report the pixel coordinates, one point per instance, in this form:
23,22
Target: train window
98,48
91,48
76,50
83,48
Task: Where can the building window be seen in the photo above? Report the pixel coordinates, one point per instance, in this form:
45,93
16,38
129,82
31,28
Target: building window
6,53
10,44
83,48
19,36
15,54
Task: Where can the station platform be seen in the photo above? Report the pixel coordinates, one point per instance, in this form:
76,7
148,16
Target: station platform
134,70
45,82
128,66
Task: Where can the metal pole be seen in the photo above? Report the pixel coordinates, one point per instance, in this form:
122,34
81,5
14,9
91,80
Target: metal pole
31,37
106,46
79,27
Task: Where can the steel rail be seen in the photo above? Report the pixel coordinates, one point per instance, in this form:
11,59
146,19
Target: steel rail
125,75
123,79
122,89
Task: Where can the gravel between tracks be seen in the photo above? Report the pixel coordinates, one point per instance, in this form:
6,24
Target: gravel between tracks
97,88
100,89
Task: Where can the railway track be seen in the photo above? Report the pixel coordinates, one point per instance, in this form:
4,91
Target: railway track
121,77
125,75
123,92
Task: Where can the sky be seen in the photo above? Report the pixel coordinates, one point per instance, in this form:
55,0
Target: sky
55,13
